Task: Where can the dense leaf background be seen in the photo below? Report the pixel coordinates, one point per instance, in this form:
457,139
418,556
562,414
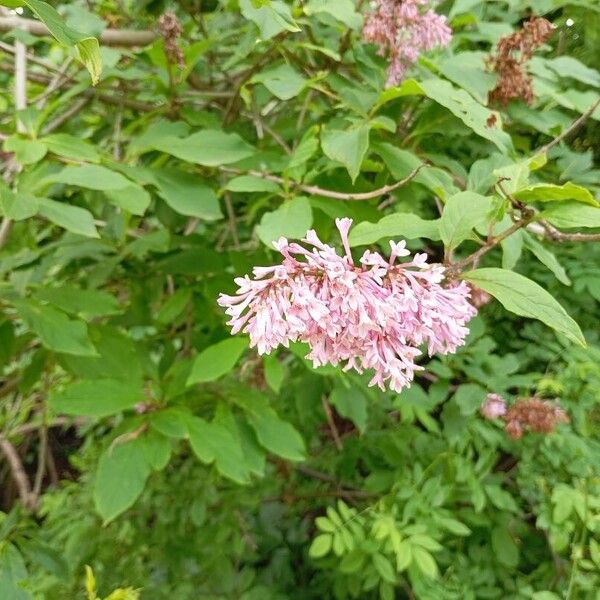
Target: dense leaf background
141,178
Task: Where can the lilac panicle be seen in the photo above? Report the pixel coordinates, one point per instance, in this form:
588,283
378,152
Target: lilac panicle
404,29
374,315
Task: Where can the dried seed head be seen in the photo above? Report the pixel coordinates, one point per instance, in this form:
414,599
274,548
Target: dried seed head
170,29
513,52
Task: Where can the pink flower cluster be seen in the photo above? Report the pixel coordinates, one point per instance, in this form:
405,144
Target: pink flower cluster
372,316
405,28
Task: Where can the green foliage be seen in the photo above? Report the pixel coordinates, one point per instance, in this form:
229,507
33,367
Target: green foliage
172,458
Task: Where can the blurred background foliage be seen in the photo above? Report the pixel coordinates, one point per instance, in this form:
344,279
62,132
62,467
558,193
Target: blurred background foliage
140,439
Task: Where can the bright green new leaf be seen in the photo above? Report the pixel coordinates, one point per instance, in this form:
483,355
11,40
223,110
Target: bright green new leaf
398,225
548,192
291,220
347,147
120,479
87,47
572,215
462,213
526,298
133,198
97,397
217,360
320,546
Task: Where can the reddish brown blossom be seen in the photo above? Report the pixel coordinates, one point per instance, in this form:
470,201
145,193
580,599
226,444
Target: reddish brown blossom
533,414
170,29
513,52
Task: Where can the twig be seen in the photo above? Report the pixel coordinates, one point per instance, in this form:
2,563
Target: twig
64,117
560,236
332,427
18,472
232,220
109,37
318,191
55,83
41,466
575,125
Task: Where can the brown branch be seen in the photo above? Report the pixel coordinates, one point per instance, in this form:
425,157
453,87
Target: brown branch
109,37
18,472
334,432
318,191
560,236
64,117
575,125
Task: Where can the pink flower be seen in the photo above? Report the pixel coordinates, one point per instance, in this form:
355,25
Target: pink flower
493,407
405,29
374,315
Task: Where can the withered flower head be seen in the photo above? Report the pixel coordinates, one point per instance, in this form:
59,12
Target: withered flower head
533,414
170,29
513,52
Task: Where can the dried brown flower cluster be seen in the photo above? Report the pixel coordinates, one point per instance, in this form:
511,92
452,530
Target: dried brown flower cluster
527,414
513,52
170,29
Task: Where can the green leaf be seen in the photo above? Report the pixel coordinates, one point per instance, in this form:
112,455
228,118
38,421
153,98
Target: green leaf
425,562
274,434
291,220
547,258
462,212
384,567
351,404
274,372
211,147
468,71
25,150
398,225
572,215
504,547
217,360
87,47
97,398
270,16
527,299
120,478
473,114
69,146
71,299
251,183
133,198
347,147
402,162
56,331
548,192
17,207
72,218
282,81
214,442
170,422
567,66
174,306
187,195
320,546
342,10
91,177
469,397
454,526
